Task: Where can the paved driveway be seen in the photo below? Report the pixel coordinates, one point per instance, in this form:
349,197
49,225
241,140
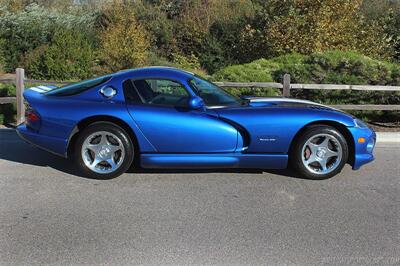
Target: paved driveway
48,215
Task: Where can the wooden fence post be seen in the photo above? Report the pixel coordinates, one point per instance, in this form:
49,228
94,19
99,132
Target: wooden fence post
286,85
19,82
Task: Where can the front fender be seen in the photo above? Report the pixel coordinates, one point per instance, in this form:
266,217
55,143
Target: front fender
272,129
363,151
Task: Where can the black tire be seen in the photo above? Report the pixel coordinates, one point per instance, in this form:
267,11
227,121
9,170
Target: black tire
111,128
296,159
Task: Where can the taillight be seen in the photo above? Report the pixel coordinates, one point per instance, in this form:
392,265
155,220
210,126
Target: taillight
32,118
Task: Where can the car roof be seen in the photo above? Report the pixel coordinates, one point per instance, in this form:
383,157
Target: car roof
155,71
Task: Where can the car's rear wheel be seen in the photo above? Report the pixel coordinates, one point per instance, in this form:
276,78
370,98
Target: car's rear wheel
103,151
320,152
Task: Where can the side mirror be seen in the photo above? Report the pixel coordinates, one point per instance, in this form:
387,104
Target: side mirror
196,103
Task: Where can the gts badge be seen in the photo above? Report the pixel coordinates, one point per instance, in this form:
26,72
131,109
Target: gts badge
267,138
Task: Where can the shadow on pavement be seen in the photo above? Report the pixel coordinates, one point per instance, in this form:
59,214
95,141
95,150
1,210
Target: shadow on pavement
13,148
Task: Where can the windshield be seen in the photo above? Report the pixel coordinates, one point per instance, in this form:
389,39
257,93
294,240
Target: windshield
212,94
79,87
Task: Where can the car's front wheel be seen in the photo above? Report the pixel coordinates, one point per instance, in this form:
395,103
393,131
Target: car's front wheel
103,151
320,152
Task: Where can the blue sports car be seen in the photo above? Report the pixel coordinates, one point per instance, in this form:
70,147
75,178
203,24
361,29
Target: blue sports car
160,117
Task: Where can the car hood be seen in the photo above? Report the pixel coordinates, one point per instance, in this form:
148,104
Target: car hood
285,108
286,102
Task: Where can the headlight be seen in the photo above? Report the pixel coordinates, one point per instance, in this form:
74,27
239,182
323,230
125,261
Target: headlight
360,123
371,145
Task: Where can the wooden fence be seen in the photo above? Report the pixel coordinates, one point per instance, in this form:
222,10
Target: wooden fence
286,87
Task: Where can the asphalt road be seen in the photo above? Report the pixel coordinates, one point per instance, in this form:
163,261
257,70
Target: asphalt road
48,215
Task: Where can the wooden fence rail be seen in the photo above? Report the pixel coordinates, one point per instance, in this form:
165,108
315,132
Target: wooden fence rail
286,87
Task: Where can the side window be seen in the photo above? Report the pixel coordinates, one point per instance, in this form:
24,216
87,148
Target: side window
161,92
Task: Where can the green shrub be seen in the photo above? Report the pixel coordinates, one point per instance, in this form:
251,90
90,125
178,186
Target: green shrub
24,30
294,64
210,30
156,60
307,26
213,56
1,57
348,68
259,92
378,116
125,42
257,71
7,90
7,113
187,62
335,67
70,56
156,22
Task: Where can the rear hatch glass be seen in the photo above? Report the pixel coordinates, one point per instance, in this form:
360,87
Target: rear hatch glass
79,87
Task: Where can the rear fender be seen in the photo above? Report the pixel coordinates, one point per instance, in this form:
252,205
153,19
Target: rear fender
61,115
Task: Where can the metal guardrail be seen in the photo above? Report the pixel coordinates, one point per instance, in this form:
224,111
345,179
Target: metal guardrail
286,87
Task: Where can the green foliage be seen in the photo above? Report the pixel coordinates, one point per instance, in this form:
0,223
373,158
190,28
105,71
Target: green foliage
334,67
68,57
392,30
229,42
218,33
124,42
378,116
1,67
7,90
154,19
294,64
258,71
212,31
25,30
7,113
308,26
349,68
187,64
213,57
190,62
2,61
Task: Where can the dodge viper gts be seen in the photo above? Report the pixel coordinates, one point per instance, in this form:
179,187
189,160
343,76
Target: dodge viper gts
161,117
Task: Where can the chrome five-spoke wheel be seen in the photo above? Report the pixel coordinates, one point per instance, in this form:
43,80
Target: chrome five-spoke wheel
103,152
322,154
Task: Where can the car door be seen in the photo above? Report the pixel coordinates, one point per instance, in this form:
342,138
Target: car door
159,107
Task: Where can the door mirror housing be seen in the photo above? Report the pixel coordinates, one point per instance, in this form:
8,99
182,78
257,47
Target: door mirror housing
196,103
